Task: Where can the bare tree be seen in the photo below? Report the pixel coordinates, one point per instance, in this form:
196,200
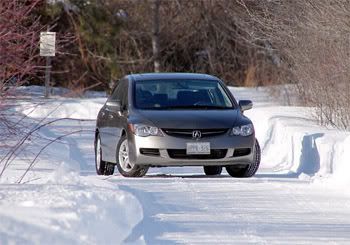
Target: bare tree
18,42
19,34
313,37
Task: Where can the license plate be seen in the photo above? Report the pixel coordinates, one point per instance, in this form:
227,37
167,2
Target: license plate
198,148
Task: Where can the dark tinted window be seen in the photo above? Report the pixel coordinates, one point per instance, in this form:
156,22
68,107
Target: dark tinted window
120,93
172,94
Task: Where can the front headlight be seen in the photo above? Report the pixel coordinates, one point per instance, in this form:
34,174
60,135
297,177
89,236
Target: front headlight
145,130
244,130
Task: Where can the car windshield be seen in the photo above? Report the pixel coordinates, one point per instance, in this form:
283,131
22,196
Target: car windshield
180,94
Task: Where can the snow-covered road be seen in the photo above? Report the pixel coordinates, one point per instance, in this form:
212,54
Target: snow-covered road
299,196
262,210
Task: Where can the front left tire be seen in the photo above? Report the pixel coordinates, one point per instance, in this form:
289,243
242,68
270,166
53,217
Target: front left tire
102,167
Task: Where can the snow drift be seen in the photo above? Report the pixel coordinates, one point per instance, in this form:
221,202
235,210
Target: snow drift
292,143
66,208
63,108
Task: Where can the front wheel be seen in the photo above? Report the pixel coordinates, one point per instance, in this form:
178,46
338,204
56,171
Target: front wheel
247,171
125,167
212,170
102,167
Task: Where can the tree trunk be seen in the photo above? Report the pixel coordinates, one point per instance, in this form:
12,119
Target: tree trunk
155,35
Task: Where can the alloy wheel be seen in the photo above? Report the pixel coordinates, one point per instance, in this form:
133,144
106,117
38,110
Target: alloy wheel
124,157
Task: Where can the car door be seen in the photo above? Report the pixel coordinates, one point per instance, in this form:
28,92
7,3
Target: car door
103,127
116,120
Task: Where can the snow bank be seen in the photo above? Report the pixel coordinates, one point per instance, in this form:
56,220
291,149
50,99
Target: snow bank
67,209
63,108
39,91
293,143
60,104
58,204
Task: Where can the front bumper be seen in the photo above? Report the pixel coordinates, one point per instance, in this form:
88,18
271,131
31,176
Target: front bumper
166,142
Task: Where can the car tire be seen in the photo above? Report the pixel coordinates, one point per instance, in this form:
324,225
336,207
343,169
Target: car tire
126,168
102,167
212,170
251,169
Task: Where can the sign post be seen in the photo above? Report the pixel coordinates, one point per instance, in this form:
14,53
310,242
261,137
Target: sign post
48,50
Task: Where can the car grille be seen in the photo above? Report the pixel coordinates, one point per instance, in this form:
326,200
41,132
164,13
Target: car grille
187,133
181,154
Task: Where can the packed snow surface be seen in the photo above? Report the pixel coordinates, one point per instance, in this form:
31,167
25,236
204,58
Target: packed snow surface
300,195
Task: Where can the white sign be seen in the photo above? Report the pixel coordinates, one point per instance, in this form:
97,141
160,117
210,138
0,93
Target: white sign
47,43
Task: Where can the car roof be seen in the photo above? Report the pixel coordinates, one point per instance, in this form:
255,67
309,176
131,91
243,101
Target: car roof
170,75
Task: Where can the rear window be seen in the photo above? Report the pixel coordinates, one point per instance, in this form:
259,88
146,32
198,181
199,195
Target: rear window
182,94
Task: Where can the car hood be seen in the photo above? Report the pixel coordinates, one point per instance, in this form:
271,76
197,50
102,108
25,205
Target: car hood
191,119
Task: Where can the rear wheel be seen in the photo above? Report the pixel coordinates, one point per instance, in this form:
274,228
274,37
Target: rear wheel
102,167
212,170
246,171
125,167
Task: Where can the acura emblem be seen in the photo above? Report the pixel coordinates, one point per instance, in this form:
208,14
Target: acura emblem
196,134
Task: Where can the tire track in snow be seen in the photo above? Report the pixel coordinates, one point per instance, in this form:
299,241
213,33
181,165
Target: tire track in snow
206,205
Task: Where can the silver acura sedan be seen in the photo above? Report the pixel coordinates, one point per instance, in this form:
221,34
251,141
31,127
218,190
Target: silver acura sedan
174,119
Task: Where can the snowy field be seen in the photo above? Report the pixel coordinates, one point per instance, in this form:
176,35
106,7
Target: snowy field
299,196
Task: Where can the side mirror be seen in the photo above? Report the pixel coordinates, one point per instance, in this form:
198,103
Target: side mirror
113,105
245,104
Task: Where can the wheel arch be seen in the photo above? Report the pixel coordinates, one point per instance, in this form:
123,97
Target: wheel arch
123,132
97,132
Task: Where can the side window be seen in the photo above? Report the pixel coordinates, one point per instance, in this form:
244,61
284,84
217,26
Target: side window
116,93
124,93
121,93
